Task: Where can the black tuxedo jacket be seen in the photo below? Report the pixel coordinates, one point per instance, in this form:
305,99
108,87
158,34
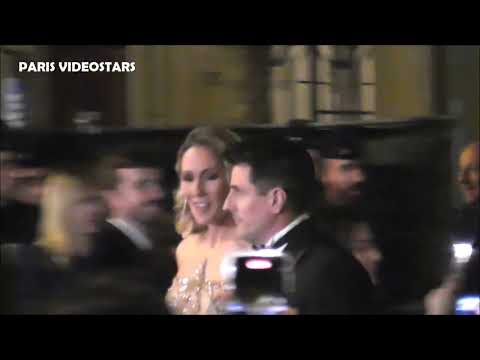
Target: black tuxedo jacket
115,250
328,279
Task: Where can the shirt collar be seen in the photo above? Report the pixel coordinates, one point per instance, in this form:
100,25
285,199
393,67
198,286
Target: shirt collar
133,233
285,230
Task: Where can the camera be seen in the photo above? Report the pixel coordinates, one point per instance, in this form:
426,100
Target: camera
261,282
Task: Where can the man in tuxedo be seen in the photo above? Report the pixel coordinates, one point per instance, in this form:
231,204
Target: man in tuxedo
272,183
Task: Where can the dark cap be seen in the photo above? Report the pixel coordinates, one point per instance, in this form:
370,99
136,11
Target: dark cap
338,144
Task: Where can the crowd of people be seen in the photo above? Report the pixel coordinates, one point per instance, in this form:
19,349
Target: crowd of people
103,239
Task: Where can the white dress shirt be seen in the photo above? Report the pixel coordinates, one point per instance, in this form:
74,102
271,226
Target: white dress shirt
275,238
137,236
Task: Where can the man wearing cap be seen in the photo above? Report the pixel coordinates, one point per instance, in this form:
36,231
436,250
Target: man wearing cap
338,168
341,210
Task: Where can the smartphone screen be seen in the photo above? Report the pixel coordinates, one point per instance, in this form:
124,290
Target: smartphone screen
468,305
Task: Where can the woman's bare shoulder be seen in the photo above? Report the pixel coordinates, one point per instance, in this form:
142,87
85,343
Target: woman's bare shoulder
190,244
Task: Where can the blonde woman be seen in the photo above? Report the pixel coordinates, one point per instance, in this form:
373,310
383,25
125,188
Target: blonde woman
71,213
208,232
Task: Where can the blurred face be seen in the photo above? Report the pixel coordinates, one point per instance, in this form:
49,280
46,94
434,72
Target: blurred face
469,174
365,250
30,183
86,212
7,168
251,211
139,195
343,180
203,184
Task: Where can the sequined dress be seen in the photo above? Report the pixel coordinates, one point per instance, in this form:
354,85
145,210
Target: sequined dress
194,295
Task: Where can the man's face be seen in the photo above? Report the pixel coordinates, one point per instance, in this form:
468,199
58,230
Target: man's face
343,180
469,174
139,193
251,211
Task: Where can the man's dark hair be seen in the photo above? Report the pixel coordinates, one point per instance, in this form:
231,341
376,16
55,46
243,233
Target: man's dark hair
278,162
134,157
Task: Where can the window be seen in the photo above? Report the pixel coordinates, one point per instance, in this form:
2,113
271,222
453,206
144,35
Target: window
323,83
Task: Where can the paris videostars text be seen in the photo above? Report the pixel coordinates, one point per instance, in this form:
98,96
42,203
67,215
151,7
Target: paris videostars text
75,67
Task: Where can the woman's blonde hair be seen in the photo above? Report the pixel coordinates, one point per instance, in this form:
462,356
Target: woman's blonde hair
58,195
217,140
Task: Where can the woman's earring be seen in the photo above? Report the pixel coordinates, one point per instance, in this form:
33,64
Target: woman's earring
184,208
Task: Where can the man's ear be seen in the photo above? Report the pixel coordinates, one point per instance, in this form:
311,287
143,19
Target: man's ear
323,170
110,198
277,200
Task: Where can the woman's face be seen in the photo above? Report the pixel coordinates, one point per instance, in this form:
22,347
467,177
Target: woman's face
203,184
86,212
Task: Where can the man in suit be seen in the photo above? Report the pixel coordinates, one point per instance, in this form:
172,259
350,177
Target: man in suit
134,191
271,186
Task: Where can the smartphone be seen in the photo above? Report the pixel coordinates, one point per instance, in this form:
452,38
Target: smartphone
468,305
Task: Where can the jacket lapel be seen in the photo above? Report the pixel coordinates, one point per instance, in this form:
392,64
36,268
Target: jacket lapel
299,240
